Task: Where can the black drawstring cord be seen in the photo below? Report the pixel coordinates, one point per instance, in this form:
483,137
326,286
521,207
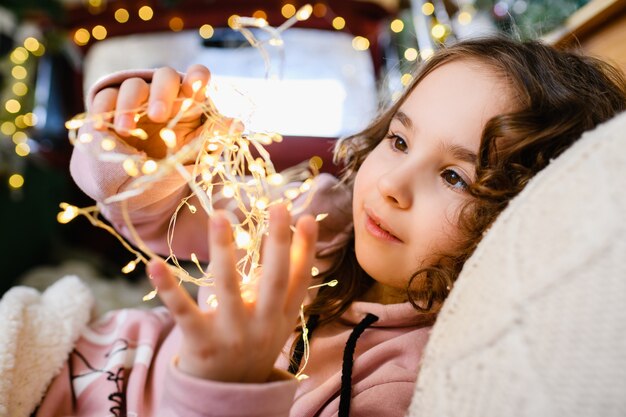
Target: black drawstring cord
346,369
298,352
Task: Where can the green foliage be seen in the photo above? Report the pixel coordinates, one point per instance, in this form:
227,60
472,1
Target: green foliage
530,19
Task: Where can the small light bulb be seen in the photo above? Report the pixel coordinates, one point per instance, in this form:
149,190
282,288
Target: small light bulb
305,12
228,191
150,295
186,104
149,167
68,214
130,267
242,239
321,217
169,137
74,124
275,179
140,133
130,167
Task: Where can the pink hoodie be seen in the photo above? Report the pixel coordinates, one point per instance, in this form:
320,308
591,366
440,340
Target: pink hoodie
124,363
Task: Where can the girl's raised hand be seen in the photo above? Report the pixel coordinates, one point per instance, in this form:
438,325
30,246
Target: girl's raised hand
240,339
163,96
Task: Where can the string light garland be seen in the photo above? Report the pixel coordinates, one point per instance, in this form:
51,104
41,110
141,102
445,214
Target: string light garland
16,116
218,165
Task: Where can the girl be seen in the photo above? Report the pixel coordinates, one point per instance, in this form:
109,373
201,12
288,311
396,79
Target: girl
425,181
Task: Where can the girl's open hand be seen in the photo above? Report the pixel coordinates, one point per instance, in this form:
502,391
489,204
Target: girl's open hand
163,97
239,340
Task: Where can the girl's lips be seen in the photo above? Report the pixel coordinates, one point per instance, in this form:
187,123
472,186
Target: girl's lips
377,231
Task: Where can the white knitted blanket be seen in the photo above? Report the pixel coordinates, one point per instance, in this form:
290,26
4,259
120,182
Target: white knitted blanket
536,324
37,334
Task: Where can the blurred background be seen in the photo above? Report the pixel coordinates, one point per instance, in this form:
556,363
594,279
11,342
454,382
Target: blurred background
335,70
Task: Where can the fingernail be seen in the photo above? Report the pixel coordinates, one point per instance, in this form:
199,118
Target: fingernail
220,228
123,122
157,109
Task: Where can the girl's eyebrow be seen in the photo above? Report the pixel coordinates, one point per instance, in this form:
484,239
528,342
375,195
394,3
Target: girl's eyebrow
462,154
403,118
458,152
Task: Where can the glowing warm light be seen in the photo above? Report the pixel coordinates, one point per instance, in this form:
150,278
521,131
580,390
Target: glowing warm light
228,191
316,162
95,3
130,267
275,179
40,51
150,295
397,25
130,167
464,18
410,54
107,144
99,32
19,55
233,21
22,149
360,43
224,168
260,14
20,89
31,44
16,181
319,10
321,217
292,193
206,31
68,214
288,10
19,137
176,24
406,79
242,239
85,137
12,105
427,53
186,104
30,119
7,128
149,167
438,31
145,13
315,271
339,23
169,137
74,124
19,122
122,15
428,8
19,72
140,133
81,37
304,12
261,204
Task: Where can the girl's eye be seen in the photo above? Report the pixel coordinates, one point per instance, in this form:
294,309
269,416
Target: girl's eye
397,143
454,180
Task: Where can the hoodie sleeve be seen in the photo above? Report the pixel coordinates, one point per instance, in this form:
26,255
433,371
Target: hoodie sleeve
150,212
187,396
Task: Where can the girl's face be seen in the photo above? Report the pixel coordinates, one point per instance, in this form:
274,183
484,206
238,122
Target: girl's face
409,189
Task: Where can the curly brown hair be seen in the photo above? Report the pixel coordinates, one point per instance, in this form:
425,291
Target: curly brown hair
559,95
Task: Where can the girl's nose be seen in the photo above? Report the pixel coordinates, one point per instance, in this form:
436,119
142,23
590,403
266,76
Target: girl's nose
395,188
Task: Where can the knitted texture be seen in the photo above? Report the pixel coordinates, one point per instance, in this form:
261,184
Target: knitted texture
536,323
37,334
